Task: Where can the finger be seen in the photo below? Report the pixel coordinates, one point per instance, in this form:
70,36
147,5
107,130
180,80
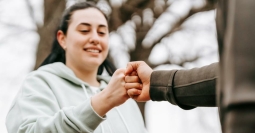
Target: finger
132,79
134,97
133,85
120,71
133,92
130,68
134,73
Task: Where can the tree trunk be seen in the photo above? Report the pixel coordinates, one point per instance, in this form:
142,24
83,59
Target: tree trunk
53,10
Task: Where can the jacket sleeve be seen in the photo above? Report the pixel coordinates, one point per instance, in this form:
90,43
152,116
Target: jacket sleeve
186,88
36,110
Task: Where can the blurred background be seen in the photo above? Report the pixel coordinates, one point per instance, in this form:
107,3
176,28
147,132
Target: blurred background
166,34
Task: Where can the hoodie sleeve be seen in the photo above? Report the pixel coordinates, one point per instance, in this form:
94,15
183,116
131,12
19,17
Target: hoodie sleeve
186,88
36,110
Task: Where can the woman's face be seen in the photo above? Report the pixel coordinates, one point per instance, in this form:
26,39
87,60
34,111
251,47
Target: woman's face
86,40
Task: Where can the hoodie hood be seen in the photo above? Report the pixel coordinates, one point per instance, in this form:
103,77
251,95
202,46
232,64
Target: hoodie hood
61,70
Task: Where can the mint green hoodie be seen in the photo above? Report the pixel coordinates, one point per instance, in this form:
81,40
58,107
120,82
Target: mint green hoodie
53,100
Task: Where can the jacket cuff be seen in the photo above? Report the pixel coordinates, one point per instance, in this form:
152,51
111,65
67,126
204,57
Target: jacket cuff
160,86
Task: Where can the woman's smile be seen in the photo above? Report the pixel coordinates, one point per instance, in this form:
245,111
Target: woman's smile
92,50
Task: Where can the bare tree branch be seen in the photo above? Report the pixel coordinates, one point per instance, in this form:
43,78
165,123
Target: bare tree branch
51,10
177,26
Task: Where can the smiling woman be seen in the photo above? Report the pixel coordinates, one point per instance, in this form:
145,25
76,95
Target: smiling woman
67,93
85,43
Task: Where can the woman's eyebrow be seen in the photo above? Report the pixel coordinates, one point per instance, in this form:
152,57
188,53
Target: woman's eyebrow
87,24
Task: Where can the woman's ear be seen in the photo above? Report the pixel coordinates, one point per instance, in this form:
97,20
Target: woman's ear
61,39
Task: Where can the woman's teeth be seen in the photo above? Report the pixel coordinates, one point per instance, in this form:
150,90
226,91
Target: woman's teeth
92,50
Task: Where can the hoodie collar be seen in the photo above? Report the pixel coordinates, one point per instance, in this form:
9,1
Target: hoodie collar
61,70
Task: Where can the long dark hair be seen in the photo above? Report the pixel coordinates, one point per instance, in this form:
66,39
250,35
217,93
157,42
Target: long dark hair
58,53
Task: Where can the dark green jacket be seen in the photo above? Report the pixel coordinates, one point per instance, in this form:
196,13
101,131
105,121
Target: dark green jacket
185,88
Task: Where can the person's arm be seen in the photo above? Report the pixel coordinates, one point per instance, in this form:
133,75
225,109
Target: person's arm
186,88
36,110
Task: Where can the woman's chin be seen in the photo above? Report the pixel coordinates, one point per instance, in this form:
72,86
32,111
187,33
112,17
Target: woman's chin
93,63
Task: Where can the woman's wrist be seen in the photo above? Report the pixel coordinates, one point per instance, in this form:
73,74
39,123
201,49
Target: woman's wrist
101,103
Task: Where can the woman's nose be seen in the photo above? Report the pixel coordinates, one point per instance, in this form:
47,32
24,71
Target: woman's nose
94,39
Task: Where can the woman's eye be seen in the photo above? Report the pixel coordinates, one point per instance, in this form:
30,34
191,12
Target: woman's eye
84,31
102,33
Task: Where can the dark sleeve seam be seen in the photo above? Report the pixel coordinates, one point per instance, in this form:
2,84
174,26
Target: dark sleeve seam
195,95
159,86
185,84
206,80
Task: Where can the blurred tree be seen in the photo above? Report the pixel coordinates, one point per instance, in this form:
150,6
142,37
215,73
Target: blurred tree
53,10
136,26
